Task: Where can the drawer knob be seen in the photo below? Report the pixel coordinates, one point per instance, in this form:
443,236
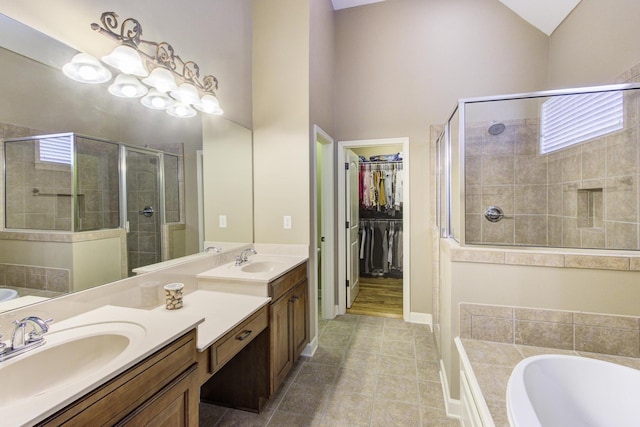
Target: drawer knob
244,335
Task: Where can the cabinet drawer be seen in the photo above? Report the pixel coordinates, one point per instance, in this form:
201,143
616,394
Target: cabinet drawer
280,286
234,341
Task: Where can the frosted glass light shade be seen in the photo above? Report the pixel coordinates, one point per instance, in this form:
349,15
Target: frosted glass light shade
85,68
161,79
209,104
181,110
187,94
127,60
126,86
157,100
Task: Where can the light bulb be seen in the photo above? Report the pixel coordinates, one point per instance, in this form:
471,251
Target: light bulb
158,102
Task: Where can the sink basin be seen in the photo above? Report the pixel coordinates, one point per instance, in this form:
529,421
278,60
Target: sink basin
562,390
262,267
67,358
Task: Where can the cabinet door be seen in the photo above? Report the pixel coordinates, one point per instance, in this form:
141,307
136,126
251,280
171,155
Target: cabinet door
299,322
174,406
281,352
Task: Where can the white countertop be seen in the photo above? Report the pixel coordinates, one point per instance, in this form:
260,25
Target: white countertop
214,314
154,330
222,312
20,302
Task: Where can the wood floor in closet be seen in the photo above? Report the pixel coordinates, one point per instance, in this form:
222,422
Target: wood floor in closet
380,297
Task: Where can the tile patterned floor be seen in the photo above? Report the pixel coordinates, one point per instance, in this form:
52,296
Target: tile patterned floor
367,371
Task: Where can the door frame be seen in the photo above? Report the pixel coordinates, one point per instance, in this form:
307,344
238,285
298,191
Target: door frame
406,221
327,220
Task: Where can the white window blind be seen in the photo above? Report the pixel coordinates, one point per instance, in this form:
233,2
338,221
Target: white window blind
55,149
570,119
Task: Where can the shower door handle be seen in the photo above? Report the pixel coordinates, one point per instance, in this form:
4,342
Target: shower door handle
147,211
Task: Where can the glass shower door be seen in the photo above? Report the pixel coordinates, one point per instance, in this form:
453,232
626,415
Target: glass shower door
144,216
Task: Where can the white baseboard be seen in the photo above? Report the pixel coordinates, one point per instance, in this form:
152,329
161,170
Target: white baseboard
422,318
452,406
310,349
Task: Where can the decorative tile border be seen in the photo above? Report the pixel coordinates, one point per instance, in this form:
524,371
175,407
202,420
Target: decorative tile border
619,261
567,330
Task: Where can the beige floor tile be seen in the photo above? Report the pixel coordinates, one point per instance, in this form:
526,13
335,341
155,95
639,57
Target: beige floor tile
395,414
211,414
398,348
316,374
366,343
348,409
332,339
428,370
396,334
432,417
304,399
399,389
235,418
328,355
397,366
431,395
356,381
396,324
289,419
361,360
372,320
345,328
367,329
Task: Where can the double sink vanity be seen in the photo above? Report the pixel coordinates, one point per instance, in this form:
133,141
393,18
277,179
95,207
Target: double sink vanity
233,343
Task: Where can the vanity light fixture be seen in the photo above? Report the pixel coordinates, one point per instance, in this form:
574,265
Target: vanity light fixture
181,110
127,60
126,86
133,57
85,68
157,100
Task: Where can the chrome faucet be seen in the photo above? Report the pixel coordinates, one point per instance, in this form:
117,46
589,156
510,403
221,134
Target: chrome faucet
215,249
243,257
23,340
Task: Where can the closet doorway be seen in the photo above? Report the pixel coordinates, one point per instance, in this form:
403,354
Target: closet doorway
373,256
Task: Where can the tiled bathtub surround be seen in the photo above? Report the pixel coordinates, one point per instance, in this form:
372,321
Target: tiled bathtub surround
567,330
492,363
33,277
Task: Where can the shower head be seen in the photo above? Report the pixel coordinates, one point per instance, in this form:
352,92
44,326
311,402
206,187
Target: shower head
496,128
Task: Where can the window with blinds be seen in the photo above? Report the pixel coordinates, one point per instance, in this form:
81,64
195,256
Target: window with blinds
55,149
571,119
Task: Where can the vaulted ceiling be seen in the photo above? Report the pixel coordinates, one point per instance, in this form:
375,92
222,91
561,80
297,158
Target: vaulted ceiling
545,15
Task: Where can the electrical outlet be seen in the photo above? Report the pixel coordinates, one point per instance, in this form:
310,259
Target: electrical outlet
287,222
222,221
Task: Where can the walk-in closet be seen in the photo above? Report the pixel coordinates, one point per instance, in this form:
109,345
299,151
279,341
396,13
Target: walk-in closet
380,232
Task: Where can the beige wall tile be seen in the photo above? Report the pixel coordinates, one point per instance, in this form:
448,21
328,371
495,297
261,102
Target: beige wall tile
544,334
598,262
606,320
496,329
530,170
620,198
531,230
622,151
541,315
619,342
499,232
539,259
470,255
497,170
621,235
634,264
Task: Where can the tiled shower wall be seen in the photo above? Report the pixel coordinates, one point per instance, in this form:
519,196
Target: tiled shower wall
581,197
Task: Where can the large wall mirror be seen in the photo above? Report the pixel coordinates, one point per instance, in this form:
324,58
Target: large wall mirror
210,156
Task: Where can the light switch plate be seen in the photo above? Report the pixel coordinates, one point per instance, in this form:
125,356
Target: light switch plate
222,221
287,222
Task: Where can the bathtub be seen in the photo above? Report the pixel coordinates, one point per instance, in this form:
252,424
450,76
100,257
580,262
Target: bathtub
7,294
558,390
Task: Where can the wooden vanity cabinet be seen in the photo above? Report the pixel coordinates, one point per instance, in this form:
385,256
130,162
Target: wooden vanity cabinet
162,390
289,323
